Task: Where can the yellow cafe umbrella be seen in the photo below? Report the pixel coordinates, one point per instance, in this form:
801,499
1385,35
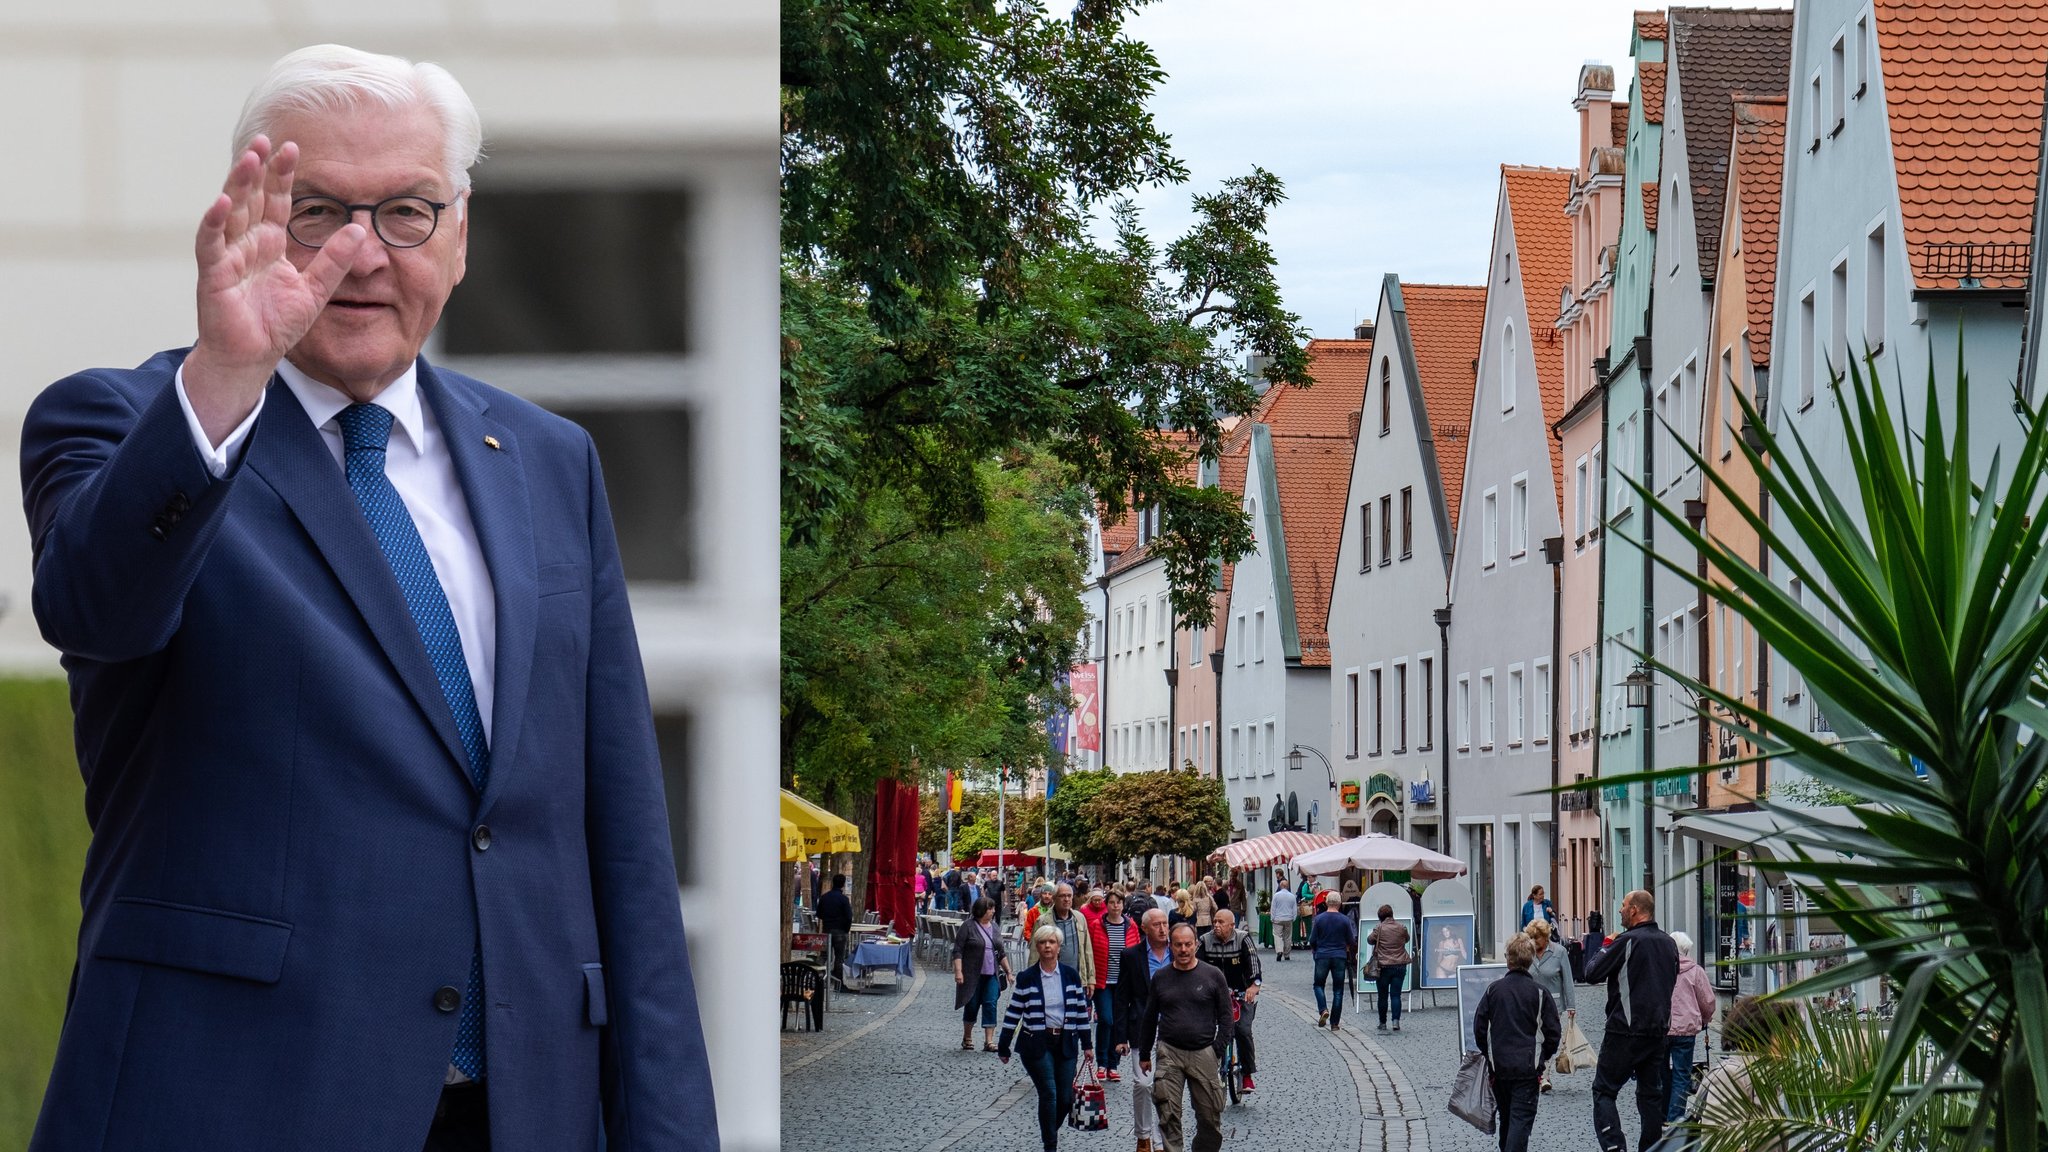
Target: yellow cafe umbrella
821,830
792,843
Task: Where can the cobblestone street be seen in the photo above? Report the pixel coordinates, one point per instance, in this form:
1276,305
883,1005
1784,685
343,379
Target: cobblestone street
888,1072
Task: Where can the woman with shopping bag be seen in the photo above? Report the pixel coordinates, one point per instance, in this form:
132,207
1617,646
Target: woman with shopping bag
1047,1026
1553,970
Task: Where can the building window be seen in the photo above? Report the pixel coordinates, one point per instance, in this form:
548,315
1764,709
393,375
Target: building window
1407,522
1541,704
1365,536
1144,622
1424,672
1515,696
1808,368
1838,320
1574,700
1464,716
1489,528
1838,79
1351,713
1268,766
1234,767
1237,640
1400,706
1579,500
1208,734
1730,415
1259,636
1375,706
1873,290
1862,55
1386,397
1486,711
1686,393
1507,368
1518,517
1387,529
1814,113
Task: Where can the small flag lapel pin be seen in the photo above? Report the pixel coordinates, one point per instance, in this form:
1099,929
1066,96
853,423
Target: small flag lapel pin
492,442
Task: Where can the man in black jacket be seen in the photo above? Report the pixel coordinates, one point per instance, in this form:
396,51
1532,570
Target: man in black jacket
1133,994
1188,1022
1517,1030
835,916
1640,968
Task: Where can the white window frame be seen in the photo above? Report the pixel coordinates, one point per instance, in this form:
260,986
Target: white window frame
1237,644
1259,636
1351,713
1518,517
1464,716
1271,751
1508,364
1875,296
1375,709
1425,667
1539,702
1486,710
1809,346
1518,696
1489,528
1398,694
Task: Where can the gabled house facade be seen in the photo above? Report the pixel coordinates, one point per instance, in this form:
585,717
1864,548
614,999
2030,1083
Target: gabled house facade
1585,326
1135,700
1713,53
1276,665
1909,190
1393,562
1503,592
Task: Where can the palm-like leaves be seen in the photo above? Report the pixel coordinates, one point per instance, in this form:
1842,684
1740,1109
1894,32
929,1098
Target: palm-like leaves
1934,586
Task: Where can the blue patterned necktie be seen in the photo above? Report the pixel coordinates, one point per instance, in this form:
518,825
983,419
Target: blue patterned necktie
365,430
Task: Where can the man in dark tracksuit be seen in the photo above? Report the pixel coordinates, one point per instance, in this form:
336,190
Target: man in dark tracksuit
1640,968
1232,953
1517,1030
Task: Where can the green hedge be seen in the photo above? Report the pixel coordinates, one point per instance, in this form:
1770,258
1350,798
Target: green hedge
42,851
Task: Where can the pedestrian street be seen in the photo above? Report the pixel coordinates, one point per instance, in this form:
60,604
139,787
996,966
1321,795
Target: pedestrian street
887,1072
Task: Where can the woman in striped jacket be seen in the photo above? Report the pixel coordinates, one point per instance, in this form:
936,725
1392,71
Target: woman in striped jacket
1047,1025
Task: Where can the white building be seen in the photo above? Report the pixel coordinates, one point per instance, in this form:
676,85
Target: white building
1136,700
1276,658
1503,592
1393,564
658,335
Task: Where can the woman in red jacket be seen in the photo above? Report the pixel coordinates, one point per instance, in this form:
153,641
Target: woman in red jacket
1111,932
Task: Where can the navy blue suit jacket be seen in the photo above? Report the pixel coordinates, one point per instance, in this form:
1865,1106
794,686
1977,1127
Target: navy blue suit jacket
287,862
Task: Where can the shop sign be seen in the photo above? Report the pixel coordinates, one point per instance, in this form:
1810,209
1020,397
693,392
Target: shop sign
1348,792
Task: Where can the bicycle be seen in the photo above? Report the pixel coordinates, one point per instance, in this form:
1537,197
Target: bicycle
1232,1082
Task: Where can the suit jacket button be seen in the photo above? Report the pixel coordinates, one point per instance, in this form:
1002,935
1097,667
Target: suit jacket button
159,530
447,999
481,837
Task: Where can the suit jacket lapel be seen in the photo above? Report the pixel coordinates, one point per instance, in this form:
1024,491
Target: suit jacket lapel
494,483
288,453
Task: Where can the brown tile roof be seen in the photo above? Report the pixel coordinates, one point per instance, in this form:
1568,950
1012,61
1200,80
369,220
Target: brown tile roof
1118,537
1339,369
1759,178
1618,122
1313,474
1444,324
1649,24
1650,205
1963,88
1543,242
1650,89
1721,51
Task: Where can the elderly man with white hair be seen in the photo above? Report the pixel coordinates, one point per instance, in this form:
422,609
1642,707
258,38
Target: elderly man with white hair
380,856
1692,1007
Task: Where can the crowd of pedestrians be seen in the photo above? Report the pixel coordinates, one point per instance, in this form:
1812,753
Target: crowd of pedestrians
1171,974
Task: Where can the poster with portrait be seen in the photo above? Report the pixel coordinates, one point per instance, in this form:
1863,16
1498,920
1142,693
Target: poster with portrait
1473,980
1447,945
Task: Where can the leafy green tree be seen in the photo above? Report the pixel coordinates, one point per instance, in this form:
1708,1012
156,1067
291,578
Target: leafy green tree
1178,812
1023,818
1933,682
1070,827
963,274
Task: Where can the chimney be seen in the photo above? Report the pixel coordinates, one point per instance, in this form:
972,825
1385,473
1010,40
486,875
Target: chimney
1255,365
1363,331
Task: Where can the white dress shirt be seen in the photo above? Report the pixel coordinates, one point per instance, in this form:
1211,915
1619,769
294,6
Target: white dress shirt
423,471
1055,999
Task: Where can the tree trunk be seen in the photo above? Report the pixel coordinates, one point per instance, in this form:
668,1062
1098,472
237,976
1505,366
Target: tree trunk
788,900
861,811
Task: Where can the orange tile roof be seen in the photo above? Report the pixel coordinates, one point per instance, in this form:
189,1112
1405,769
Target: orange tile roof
1721,51
1230,473
1649,24
1963,88
1759,177
1650,89
1444,325
1339,369
1313,474
1618,123
1543,243
1120,536
1650,205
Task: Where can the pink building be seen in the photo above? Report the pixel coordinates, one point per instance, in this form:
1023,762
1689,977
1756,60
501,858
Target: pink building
1586,325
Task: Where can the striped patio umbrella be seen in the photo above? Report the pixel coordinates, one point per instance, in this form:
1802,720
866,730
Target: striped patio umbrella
1265,851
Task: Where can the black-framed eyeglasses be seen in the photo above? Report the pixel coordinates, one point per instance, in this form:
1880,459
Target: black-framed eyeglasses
400,221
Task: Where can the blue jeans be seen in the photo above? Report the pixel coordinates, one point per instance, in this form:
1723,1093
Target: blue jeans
1051,1068
1332,968
984,999
1105,1043
1680,1082
1389,981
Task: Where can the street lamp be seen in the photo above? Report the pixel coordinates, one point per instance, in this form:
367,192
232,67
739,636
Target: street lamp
1638,684
1294,762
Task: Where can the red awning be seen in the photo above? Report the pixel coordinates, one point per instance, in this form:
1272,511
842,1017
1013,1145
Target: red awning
1007,858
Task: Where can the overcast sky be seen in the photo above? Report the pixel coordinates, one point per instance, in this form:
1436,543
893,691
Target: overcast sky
1388,120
